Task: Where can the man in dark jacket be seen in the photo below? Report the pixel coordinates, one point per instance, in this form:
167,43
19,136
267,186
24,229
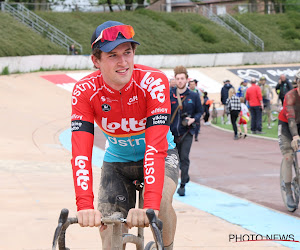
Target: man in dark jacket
186,108
224,96
283,86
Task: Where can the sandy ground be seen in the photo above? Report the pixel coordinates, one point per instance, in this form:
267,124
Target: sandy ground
36,178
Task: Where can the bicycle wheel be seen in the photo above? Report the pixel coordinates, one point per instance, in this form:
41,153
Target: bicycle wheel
151,246
283,189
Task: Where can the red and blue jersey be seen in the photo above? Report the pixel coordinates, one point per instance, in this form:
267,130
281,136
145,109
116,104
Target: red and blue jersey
135,121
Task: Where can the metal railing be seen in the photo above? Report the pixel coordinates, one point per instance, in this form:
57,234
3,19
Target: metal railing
40,26
210,15
250,36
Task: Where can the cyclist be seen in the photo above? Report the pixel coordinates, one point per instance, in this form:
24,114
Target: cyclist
131,105
288,134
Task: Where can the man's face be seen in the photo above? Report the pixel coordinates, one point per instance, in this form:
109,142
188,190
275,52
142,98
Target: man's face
263,82
192,85
172,83
116,66
282,78
181,80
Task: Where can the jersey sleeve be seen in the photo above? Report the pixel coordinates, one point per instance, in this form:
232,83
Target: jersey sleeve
82,127
157,127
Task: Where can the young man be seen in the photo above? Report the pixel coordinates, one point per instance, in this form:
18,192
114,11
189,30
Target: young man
288,134
131,105
186,108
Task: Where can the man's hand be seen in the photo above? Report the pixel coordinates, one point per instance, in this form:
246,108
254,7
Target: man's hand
294,143
138,218
90,218
190,120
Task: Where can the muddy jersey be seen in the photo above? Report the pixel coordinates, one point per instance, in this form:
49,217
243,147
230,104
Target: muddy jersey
291,110
135,121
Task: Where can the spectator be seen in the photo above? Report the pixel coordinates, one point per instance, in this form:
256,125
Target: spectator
193,87
186,108
267,95
283,86
254,97
224,97
244,118
72,49
234,107
172,84
206,106
242,89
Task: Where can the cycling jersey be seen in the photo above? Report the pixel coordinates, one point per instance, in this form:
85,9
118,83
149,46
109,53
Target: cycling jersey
291,109
135,122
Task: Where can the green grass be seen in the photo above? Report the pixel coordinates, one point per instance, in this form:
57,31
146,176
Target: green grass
18,40
279,32
272,133
158,32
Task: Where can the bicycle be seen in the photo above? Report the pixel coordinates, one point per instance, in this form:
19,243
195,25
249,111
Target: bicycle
295,183
118,240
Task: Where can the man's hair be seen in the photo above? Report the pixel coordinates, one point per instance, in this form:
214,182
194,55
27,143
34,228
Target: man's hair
231,92
97,52
180,70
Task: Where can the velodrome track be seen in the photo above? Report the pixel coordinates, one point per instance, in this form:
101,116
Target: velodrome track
36,177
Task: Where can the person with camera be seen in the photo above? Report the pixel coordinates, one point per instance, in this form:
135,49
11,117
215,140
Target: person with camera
186,108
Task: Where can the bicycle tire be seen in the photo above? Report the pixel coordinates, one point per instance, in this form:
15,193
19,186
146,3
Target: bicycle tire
151,245
282,188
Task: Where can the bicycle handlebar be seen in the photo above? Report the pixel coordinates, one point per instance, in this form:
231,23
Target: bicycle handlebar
64,222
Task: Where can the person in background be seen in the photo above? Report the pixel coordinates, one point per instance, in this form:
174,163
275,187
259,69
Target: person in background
241,92
206,106
283,86
186,108
193,87
172,84
224,97
254,97
244,118
72,50
267,95
234,107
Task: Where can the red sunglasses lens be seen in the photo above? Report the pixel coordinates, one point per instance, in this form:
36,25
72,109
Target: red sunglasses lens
111,33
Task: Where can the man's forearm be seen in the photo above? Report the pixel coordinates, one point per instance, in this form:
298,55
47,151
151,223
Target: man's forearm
293,127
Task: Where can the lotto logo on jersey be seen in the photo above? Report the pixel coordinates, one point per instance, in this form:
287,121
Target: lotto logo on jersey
154,87
126,125
82,173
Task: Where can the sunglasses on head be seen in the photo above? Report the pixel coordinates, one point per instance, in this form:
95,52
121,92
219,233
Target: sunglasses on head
111,33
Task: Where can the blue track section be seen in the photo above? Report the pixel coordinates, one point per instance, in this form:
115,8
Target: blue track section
251,216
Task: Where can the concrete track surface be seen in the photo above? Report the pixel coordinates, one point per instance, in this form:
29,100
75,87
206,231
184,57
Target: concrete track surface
36,178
